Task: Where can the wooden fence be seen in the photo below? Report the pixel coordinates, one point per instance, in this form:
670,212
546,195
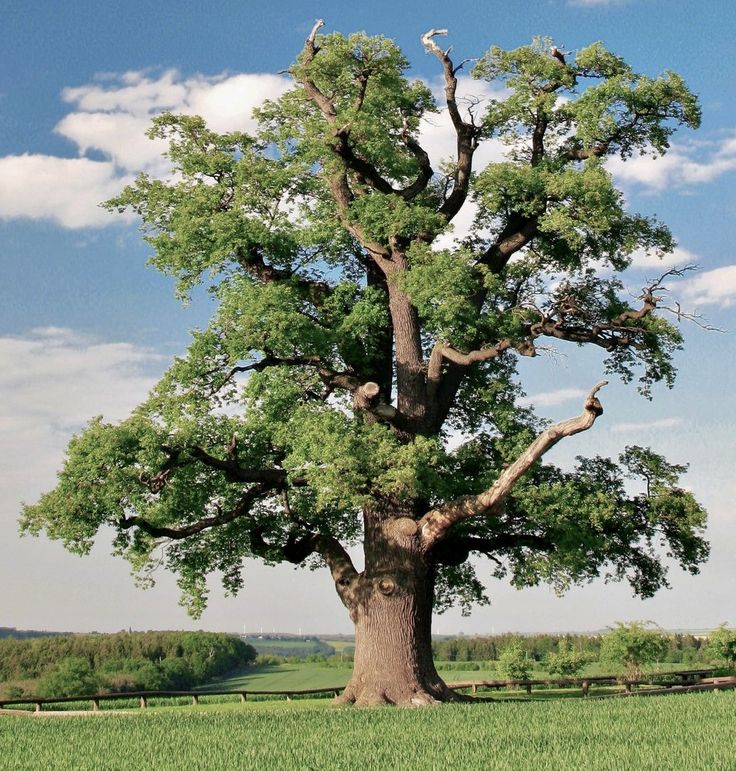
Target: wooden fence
684,677
686,680
144,696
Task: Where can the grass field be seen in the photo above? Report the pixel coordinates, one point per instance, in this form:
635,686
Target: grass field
304,675
281,677
692,731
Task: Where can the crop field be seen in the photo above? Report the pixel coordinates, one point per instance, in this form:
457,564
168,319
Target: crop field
679,732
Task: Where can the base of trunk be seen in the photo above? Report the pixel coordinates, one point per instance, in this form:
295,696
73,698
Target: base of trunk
371,692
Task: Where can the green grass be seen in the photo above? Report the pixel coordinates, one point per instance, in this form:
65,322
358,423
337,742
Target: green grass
282,677
285,676
679,732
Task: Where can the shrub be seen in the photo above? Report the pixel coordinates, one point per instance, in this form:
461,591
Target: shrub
567,661
722,644
630,647
73,676
514,662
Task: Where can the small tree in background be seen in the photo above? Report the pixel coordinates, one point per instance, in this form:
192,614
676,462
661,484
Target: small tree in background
514,662
722,643
630,647
566,662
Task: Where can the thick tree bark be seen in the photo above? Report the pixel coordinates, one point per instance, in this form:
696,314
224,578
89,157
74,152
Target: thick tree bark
393,644
390,603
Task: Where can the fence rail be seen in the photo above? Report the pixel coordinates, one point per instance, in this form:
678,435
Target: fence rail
144,696
687,677
689,680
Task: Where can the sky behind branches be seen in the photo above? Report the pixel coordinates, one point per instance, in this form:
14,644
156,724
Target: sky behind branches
86,328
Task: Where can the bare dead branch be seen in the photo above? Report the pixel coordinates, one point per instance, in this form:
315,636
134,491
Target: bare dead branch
466,133
313,35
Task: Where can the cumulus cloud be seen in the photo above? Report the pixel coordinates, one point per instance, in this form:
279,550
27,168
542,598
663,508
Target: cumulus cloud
713,287
107,126
683,166
652,425
644,260
67,191
54,380
552,398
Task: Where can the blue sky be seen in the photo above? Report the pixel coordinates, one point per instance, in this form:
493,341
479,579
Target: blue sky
85,327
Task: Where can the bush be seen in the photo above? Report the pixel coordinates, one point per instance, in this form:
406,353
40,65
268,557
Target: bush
72,676
630,647
722,644
567,661
514,662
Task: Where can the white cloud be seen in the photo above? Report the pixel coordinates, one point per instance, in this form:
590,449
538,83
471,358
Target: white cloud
110,119
552,398
54,380
653,425
683,166
227,105
131,92
119,136
643,260
714,287
65,190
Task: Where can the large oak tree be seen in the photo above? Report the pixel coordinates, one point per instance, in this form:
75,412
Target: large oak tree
313,413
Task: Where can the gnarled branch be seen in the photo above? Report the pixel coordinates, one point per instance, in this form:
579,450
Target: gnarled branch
241,509
454,550
300,546
467,133
436,523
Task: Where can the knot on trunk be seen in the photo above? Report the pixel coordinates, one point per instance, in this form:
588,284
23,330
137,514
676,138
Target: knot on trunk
386,585
401,527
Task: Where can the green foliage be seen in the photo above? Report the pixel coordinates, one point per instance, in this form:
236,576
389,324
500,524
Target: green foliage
631,647
72,676
514,662
70,665
722,643
566,661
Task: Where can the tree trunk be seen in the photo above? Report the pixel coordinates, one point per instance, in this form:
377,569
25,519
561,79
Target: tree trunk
391,606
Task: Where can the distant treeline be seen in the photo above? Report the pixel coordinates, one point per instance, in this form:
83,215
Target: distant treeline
25,634
683,648
289,647
125,661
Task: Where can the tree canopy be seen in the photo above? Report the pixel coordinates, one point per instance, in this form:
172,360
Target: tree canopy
347,347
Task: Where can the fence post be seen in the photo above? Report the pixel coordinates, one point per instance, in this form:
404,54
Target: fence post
38,706
144,702
242,697
586,687
195,700
528,689
95,705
